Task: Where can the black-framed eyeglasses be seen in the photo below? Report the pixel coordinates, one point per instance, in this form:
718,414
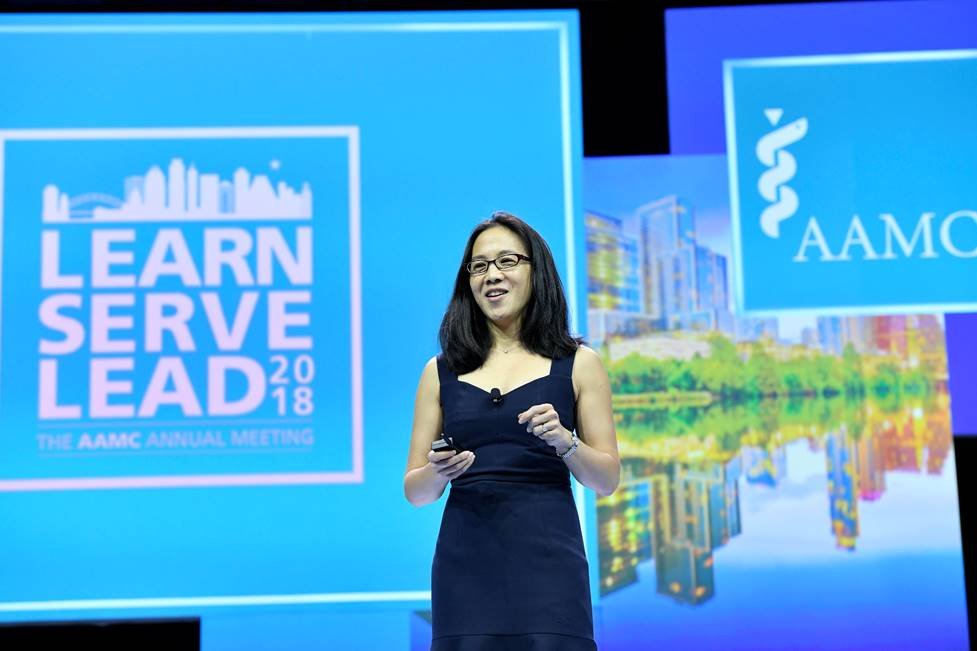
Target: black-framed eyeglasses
503,263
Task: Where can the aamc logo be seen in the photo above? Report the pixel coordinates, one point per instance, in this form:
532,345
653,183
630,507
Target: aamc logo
884,239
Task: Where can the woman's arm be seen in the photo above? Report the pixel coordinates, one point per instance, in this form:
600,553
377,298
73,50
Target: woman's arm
429,472
595,464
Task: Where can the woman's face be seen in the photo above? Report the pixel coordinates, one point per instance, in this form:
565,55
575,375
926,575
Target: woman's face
501,294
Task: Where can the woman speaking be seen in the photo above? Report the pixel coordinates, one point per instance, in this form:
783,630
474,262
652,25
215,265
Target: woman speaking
511,407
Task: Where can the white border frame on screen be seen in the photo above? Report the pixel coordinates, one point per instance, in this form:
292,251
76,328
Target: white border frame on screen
409,596
352,476
729,113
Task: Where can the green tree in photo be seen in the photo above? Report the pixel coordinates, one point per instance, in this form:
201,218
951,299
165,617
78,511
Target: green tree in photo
827,375
853,379
794,377
886,380
722,371
679,376
762,375
917,382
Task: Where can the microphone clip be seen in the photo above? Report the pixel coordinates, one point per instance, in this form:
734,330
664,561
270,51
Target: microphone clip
496,397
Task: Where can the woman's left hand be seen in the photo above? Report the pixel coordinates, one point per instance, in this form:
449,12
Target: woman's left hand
543,422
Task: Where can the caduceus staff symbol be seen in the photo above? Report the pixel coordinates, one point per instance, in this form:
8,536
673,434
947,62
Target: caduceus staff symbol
770,149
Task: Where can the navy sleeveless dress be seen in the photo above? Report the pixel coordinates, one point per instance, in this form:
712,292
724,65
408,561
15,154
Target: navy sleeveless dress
509,569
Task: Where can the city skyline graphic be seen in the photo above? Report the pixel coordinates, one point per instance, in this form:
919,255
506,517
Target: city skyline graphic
650,274
182,193
677,508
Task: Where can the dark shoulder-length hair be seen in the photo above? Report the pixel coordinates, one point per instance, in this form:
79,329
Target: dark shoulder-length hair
464,335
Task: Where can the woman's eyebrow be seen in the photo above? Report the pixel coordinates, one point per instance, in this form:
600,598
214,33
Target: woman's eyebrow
481,256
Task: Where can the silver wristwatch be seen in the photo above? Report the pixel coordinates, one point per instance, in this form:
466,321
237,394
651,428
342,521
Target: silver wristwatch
574,444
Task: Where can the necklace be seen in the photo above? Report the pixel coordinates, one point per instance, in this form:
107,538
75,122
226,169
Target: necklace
506,350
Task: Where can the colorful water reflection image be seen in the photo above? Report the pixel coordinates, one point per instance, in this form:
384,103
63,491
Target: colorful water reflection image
680,497
787,482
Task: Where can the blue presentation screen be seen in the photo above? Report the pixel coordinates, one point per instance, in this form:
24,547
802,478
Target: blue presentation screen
849,180
227,243
699,40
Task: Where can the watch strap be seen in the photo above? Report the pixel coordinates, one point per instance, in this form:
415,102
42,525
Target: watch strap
574,444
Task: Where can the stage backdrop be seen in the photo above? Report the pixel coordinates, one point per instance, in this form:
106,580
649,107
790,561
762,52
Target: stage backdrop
699,40
227,243
788,481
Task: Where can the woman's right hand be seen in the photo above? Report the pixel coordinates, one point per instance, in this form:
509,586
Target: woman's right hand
450,464
429,472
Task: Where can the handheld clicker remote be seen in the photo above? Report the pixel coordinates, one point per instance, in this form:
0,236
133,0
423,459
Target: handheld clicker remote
444,444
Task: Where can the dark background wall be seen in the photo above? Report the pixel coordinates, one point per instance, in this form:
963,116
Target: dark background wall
625,112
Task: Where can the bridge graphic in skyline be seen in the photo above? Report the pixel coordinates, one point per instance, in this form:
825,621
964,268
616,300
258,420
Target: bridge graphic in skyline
182,194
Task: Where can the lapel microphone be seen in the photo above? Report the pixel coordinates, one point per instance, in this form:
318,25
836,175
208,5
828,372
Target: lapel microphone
496,397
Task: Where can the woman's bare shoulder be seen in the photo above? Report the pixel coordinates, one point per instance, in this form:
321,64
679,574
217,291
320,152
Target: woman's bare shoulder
587,360
430,371
429,381
588,369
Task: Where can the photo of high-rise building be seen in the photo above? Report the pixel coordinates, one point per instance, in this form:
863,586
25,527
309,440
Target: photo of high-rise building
744,435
